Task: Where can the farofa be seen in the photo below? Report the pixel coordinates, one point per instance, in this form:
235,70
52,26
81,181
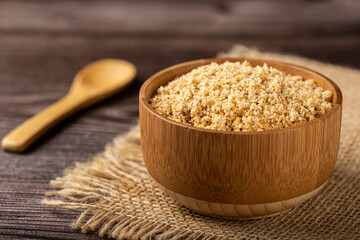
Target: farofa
236,96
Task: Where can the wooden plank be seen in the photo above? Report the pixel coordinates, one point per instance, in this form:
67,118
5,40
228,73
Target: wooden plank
196,18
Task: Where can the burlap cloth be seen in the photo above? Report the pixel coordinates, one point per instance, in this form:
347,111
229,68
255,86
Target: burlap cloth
118,199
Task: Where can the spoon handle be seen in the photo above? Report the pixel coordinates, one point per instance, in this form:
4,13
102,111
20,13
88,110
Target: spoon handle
19,139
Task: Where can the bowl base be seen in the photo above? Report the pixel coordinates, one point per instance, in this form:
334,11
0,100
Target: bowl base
243,218
239,211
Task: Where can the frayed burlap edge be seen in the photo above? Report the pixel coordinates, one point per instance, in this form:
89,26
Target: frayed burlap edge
119,200
96,186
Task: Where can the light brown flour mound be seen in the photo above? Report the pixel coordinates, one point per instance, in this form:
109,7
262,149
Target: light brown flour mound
236,96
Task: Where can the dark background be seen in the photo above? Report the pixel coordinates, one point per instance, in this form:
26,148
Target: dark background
44,43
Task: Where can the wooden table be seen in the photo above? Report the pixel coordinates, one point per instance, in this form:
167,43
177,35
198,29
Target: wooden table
44,43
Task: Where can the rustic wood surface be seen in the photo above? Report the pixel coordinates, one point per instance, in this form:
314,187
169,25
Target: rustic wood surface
44,43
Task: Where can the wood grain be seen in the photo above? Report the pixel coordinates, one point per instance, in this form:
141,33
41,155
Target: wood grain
44,43
239,168
240,211
195,18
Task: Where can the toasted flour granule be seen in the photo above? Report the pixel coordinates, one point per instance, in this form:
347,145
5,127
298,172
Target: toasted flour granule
236,96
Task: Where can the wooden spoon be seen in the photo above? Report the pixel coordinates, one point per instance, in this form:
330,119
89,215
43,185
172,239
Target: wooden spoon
91,84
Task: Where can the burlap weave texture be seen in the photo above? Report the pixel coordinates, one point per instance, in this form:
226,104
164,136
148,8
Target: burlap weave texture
118,199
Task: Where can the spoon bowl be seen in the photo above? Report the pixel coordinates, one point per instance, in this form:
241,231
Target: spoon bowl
104,76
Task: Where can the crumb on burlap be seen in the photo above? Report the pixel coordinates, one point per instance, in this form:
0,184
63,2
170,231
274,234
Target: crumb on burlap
236,96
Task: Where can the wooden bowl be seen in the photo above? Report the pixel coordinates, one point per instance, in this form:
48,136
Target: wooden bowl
239,174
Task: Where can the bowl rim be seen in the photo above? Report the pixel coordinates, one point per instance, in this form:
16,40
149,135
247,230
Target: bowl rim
142,99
